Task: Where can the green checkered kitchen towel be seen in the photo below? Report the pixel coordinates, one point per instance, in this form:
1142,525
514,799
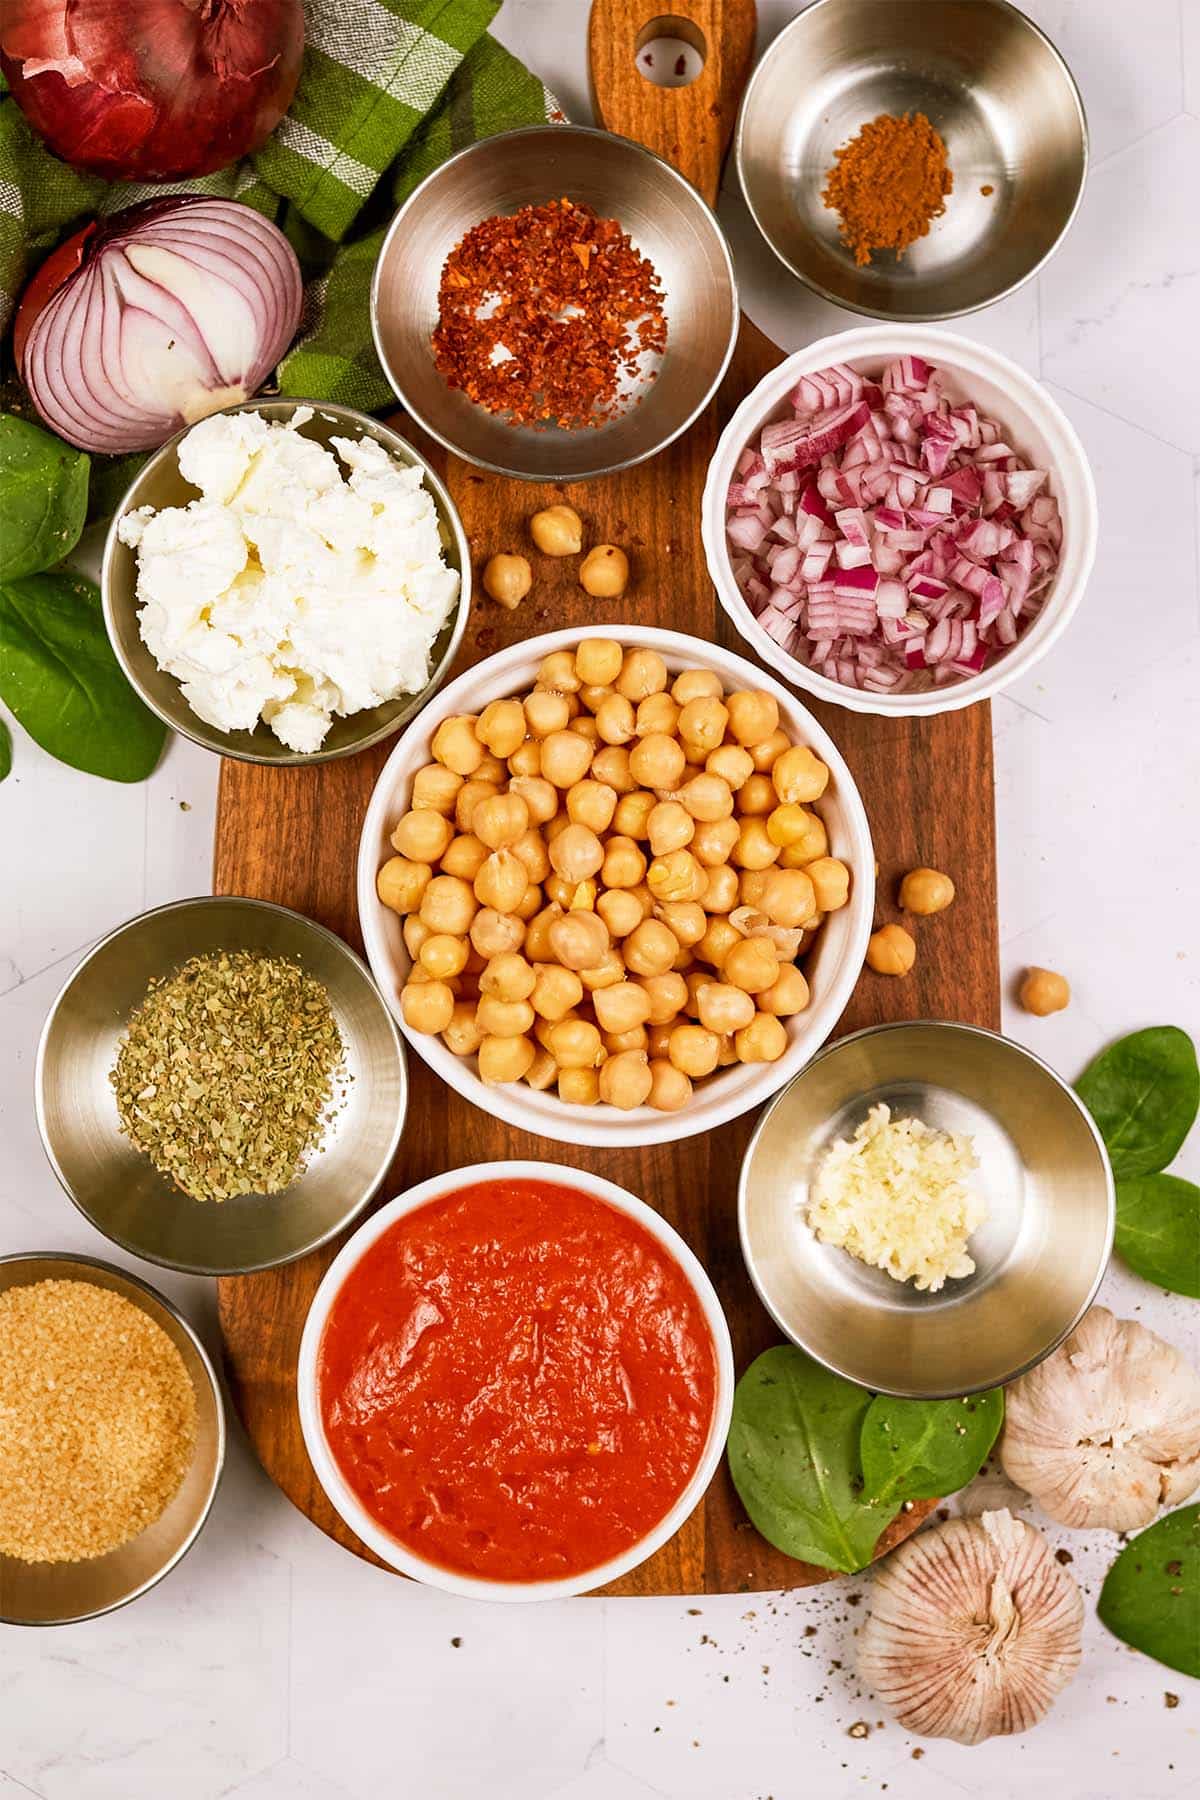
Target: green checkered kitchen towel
388,90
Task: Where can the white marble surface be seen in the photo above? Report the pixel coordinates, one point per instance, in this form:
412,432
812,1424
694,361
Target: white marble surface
272,1666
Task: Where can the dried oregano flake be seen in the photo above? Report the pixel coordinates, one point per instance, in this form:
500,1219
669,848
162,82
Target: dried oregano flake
226,1071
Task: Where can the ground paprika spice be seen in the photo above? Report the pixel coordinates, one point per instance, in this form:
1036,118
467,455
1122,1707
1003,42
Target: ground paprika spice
888,183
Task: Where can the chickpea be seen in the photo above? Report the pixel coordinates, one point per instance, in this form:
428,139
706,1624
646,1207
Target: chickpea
707,798
579,1087
669,826
615,719
733,764
686,919
557,530
576,853
1042,991
598,661
508,977
922,891
657,715
414,932
751,884
752,965
443,956
540,797
401,884
585,728
537,934
677,876
561,892
575,1044
462,1035
694,981
624,865
622,1007
531,902
724,1008
657,761
670,1089
694,1050
621,911
606,973
754,849
579,940
503,1018
611,766
658,1037
501,881
526,759
555,991
495,933
717,942
714,841
505,1059
696,684
435,787
643,672
651,948
469,796
499,820
831,883
456,746
667,994
763,1040
501,726
808,849
604,572
542,1072
566,758
753,716
594,697
632,817
448,905
625,1080
787,995
799,775
531,848
507,579
723,891
702,722
756,796
428,1006
789,897
546,711
891,951
558,671
765,755
491,769
591,803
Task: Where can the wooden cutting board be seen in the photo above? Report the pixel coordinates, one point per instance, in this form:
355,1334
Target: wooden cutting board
291,835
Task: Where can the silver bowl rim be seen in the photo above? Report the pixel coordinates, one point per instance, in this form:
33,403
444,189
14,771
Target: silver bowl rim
289,759
441,173
210,1269
874,312
953,1025
79,1259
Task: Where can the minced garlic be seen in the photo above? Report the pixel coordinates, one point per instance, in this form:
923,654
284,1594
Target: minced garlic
895,1196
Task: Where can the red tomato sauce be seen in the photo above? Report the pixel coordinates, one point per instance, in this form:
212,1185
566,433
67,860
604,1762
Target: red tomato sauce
517,1381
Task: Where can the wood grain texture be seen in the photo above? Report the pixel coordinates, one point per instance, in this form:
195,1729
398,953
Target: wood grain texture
291,835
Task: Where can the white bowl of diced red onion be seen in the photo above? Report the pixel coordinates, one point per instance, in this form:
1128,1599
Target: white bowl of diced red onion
900,520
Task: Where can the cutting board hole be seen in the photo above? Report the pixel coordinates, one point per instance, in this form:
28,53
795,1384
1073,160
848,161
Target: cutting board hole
671,52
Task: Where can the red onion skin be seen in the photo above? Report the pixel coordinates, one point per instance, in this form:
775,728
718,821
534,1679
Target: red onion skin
152,90
58,267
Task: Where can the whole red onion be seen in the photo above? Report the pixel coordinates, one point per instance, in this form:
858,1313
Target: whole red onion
152,90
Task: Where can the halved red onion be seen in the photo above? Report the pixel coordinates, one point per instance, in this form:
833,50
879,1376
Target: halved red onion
887,538
162,314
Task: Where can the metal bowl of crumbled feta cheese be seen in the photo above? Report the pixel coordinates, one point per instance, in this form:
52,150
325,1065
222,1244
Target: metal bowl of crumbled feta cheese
286,582
927,1209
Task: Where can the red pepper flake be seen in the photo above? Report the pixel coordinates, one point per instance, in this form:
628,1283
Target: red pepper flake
541,315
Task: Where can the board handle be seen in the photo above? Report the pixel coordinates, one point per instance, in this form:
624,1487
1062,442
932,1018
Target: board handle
691,126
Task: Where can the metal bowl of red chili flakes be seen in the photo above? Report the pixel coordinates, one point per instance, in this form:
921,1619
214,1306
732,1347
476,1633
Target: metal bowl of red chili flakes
554,303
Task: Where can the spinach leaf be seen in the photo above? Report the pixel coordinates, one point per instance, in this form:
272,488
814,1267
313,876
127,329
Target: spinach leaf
43,497
58,675
5,750
1143,1092
793,1455
1158,1230
922,1449
1151,1595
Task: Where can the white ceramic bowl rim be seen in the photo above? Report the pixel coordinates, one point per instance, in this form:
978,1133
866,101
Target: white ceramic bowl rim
1071,483
337,1489
732,1092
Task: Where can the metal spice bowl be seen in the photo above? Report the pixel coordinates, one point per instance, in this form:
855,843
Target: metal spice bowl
666,220
118,1188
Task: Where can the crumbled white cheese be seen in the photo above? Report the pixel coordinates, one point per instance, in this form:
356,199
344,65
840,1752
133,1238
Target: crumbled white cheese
290,591
895,1196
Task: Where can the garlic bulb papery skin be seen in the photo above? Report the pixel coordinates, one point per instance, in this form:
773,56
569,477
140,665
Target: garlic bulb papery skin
974,1629
1107,1429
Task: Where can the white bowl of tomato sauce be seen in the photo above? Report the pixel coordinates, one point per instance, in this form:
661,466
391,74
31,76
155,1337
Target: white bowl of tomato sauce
515,1381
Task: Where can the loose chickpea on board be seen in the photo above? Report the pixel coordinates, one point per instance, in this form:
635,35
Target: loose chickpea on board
605,881
557,531
507,578
925,891
891,951
604,572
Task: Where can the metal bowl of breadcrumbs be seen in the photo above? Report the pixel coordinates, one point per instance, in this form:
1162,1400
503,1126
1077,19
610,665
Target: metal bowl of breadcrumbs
113,1442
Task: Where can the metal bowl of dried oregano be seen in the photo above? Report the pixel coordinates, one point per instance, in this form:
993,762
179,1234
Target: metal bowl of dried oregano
113,1440
220,1087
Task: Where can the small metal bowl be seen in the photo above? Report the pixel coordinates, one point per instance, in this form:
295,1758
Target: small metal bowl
159,484
667,221
64,1593
1040,1255
118,1189
991,83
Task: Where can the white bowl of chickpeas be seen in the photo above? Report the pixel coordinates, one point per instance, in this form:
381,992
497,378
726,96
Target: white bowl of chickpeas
616,890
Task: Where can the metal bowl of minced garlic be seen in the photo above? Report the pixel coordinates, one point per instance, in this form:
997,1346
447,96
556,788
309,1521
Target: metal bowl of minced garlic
219,1086
927,1209
113,1439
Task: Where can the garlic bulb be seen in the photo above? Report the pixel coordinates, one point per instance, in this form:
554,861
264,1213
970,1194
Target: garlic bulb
1106,1430
974,1629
